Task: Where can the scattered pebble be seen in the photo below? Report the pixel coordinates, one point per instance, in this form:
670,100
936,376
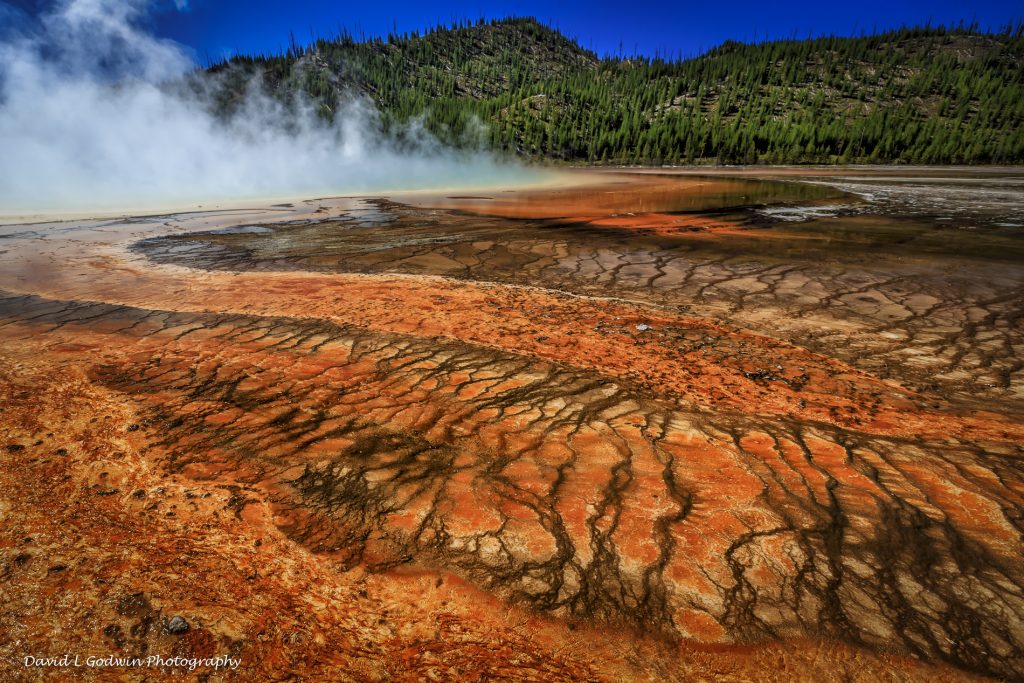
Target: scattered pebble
176,626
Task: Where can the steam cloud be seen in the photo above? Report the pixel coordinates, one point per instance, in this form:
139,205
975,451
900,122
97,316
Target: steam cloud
87,122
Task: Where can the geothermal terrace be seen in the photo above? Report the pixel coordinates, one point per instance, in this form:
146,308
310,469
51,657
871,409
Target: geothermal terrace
631,426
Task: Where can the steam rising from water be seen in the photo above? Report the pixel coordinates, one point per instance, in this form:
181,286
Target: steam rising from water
87,122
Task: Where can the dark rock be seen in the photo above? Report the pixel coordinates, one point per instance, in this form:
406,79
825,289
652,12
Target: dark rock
759,375
176,626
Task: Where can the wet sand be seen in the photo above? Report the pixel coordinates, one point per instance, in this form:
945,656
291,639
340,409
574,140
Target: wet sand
637,426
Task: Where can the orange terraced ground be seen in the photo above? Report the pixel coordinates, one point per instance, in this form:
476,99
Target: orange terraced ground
631,426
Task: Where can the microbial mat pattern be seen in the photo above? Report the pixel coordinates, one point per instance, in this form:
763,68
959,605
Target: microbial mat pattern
633,425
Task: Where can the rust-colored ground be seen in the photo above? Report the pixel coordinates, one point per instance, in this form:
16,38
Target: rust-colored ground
640,430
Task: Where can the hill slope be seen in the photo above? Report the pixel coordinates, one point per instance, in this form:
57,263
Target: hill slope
914,95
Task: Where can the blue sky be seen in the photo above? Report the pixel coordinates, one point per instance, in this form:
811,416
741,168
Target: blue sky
219,27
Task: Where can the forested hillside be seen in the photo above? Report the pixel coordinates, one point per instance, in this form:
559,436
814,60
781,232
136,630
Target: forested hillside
920,95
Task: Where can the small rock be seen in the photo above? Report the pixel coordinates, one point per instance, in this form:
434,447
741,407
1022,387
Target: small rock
643,328
176,626
760,374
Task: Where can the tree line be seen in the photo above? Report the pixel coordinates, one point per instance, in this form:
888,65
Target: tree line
933,95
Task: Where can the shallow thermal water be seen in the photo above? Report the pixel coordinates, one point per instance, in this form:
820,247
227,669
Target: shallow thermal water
887,266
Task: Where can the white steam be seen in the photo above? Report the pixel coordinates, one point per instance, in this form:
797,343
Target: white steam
85,124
